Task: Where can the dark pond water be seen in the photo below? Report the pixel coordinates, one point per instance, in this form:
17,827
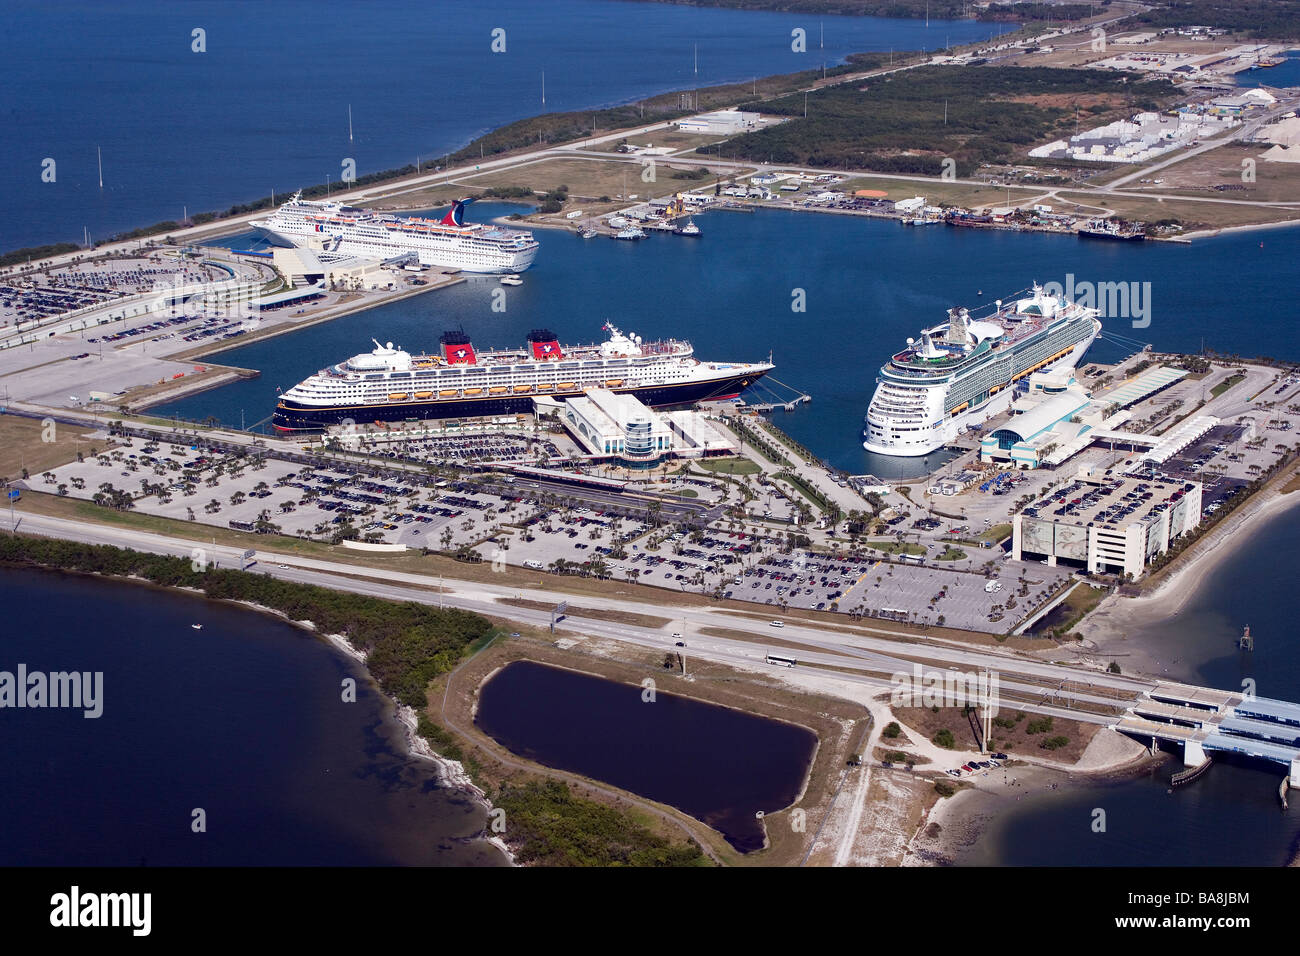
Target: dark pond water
717,764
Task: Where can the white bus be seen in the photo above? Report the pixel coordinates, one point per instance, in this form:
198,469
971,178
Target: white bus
781,661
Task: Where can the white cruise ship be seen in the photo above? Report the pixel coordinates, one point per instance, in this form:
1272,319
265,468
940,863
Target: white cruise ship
389,384
449,242
964,371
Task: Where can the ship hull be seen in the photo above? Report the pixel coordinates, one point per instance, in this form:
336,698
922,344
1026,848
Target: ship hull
947,430
503,264
291,416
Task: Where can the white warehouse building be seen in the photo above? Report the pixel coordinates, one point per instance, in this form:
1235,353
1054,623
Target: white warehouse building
607,423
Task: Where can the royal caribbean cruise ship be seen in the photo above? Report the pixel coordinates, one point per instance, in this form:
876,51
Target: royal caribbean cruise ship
449,242
388,384
964,371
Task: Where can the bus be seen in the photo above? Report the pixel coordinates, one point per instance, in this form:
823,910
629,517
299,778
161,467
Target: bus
781,661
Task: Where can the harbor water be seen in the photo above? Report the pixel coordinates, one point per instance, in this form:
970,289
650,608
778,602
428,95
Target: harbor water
865,285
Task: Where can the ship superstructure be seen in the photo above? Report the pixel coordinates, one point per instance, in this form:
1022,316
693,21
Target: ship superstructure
965,370
390,384
450,242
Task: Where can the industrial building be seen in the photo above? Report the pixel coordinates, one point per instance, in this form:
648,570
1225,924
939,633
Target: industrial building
1106,524
720,123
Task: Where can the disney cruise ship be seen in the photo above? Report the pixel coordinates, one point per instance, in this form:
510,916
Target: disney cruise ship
449,242
389,384
964,371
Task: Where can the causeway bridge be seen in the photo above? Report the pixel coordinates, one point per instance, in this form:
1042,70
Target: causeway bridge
1205,721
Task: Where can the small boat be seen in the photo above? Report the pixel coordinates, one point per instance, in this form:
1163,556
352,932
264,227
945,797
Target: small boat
197,627
631,233
690,229
512,279
589,234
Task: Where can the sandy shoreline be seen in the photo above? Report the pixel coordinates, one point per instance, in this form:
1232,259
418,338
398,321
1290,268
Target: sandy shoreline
1248,227
955,824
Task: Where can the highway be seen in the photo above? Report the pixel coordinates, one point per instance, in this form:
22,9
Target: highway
864,658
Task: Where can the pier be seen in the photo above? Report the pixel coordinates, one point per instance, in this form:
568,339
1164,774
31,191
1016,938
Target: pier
771,399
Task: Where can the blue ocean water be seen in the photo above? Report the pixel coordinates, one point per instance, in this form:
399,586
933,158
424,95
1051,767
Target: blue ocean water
265,107
243,720
868,284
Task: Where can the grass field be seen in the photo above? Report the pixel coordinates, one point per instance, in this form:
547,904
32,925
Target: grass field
1273,182
730,466
589,179
26,443
1226,384
896,547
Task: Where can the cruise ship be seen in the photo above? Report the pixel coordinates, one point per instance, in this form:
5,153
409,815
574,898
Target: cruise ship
964,371
449,242
389,384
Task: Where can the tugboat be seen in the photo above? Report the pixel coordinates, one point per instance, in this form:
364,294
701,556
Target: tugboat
690,229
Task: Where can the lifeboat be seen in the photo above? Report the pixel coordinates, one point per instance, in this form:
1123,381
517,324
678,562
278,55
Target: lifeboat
613,382
545,388
423,395
498,389
565,386
397,396
523,388
473,391
447,393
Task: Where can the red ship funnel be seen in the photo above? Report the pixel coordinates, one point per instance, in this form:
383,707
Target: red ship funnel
456,214
545,345
456,348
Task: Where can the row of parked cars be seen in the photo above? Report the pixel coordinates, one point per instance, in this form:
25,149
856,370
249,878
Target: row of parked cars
977,766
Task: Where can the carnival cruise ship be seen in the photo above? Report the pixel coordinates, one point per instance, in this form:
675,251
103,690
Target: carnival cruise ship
389,384
964,371
449,242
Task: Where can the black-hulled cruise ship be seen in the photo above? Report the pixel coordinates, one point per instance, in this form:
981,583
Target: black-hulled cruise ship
389,384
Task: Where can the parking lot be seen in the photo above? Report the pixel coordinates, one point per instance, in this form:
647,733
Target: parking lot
521,525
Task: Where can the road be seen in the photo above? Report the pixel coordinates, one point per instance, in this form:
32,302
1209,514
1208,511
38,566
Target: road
860,657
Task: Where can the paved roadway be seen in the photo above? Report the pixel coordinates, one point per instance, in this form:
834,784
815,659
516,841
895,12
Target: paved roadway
863,659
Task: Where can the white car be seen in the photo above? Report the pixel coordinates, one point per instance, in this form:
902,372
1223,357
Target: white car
777,623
